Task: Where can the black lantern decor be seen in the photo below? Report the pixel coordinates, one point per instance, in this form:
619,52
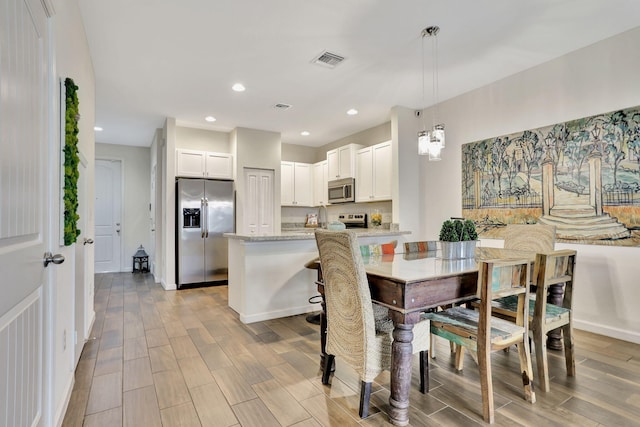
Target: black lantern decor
140,261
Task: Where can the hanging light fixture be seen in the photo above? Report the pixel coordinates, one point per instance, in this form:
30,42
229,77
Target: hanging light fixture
431,142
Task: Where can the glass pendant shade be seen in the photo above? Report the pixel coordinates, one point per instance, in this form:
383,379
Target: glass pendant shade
424,140
431,142
434,149
438,134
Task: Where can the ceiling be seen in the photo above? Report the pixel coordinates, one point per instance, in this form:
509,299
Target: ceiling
156,59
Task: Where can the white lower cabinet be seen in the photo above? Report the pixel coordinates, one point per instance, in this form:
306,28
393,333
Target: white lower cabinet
296,184
373,177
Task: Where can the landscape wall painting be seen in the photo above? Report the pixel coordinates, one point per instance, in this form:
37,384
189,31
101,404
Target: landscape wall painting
583,176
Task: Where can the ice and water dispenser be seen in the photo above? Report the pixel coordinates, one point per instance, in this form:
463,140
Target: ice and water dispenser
191,218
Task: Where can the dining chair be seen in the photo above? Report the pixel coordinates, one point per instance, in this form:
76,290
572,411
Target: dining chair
423,246
556,267
481,332
530,237
357,333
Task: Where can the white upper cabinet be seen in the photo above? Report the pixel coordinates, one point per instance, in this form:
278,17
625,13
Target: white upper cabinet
203,164
190,163
341,162
296,184
373,181
320,187
218,165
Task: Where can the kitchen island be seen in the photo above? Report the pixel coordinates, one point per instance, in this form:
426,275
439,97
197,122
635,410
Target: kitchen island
267,274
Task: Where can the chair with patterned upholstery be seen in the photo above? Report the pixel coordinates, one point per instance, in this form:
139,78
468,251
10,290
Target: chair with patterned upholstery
423,246
357,333
481,332
554,268
523,237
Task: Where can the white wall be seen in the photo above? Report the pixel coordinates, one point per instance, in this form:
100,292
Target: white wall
72,59
202,139
599,78
136,219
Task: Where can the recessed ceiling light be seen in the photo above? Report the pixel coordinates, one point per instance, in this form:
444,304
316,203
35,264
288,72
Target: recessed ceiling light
210,119
97,128
238,87
352,112
305,133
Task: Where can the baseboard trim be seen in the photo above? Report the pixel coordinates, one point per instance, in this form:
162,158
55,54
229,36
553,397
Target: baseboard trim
62,410
598,328
168,286
259,317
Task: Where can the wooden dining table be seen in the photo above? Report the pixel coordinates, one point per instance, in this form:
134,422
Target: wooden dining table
410,284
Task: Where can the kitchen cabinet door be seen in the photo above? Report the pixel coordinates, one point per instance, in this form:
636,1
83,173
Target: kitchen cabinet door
203,164
190,163
287,189
296,184
341,162
303,184
373,180
320,188
364,178
382,163
218,165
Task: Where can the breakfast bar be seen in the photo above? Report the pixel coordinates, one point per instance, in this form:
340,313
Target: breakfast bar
267,274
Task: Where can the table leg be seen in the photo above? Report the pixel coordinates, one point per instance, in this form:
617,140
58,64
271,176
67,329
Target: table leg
401,351
554,337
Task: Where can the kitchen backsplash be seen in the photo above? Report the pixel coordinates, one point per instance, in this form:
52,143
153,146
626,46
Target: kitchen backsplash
295,217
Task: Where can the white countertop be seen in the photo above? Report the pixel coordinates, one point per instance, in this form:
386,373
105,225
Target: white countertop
308,234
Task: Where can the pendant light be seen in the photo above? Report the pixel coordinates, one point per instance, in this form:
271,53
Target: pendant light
431,142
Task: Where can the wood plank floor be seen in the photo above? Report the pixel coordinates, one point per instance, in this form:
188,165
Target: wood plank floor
182,358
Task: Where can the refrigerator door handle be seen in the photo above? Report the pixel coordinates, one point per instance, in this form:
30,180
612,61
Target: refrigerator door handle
206,218
202,216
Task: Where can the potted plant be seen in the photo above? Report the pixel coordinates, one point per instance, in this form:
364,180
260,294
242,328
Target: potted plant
458,239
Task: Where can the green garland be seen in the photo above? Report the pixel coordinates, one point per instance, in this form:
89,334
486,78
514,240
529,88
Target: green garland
71,160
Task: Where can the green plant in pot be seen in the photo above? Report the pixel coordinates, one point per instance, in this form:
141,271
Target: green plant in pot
458,239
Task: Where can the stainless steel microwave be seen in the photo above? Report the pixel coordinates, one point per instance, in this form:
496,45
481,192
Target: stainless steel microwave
342,190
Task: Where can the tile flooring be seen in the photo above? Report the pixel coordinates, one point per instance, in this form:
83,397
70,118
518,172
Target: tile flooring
182,358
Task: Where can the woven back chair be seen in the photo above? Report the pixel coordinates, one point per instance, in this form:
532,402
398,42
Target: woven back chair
530,237
355,334
481,332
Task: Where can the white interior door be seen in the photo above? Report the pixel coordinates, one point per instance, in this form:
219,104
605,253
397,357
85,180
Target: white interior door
25,207
83,291
108,215
258,203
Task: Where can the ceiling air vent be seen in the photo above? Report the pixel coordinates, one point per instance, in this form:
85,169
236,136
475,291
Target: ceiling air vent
328,59
280,106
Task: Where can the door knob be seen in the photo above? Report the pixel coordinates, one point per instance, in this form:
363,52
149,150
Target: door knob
50,258
88,241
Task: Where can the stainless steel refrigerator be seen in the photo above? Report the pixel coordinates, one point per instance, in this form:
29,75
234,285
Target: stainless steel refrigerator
205,212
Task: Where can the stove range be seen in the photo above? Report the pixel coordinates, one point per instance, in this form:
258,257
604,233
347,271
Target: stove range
353,220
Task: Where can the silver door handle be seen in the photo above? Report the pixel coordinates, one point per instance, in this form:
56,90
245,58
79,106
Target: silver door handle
88,241
206,217
202,217
50,258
